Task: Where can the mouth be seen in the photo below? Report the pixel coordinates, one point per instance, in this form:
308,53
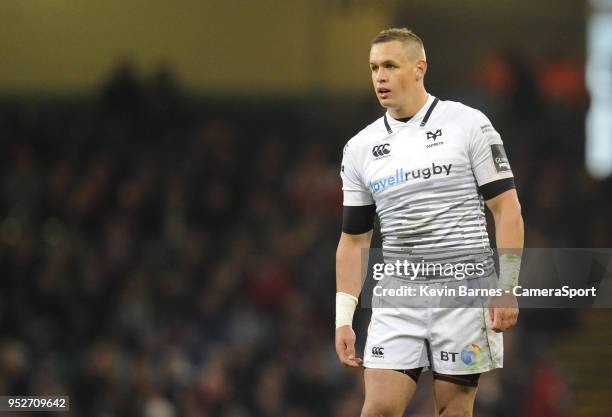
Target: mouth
383,92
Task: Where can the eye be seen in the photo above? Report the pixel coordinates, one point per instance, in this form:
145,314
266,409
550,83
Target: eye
373,68
389,66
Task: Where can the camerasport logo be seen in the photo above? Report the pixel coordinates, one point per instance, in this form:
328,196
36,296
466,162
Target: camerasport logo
381,151
378,352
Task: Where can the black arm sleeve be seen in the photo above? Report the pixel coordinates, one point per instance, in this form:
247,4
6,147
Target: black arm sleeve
358,219
495,188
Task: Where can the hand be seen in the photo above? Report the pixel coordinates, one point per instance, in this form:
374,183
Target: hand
505,316
345,347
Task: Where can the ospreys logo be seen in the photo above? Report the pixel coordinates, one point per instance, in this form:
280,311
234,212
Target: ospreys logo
434,135
380,151
378,351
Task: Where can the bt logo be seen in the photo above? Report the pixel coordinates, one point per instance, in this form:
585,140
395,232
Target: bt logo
448,356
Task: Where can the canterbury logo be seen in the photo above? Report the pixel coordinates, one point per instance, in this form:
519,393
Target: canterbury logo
381,150
434,135
378,351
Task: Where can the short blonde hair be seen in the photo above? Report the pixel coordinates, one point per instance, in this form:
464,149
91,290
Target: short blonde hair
403,35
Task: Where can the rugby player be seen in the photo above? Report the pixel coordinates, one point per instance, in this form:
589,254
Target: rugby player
426,168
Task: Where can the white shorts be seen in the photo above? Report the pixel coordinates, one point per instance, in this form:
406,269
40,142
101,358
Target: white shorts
454,341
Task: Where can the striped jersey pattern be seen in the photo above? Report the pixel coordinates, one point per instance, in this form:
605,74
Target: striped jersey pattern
423,176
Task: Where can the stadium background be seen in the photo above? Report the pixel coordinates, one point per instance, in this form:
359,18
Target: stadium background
170,200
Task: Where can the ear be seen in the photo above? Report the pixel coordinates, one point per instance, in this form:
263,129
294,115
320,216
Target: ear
421,69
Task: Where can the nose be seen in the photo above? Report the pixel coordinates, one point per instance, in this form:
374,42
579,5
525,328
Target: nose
381,76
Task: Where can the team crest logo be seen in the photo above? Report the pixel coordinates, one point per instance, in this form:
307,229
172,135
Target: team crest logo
470,355
434,135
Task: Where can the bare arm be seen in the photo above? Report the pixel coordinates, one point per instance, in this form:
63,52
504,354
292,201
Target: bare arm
349,279
509,233
506,212
349,274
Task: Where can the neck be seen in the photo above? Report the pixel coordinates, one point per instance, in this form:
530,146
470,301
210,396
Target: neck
411,106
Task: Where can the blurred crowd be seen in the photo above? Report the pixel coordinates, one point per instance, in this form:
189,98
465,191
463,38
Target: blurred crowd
170,256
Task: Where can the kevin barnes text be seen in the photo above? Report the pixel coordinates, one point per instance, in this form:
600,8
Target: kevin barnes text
427,291
464,291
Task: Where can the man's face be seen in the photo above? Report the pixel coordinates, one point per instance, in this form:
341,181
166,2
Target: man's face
394,73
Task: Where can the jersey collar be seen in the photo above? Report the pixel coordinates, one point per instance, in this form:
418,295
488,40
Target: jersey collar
392,124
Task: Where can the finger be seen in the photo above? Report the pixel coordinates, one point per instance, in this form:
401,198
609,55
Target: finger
348,362
341,352
498,326
350,349
508,319
511,321
346,351
492,315
511,314
506,325
497,322
503,325
353,363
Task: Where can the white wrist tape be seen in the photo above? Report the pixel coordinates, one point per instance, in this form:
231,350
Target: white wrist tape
509,269
345,308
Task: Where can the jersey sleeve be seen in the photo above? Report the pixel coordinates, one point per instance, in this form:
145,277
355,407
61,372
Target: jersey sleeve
486,152
354,190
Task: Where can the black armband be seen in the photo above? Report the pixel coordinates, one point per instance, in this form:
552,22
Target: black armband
358,219
495,188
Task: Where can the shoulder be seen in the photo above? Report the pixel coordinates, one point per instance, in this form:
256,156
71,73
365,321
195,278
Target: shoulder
364,139
465,115
475,125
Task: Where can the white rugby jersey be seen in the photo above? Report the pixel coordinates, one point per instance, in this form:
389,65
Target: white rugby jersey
423,176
